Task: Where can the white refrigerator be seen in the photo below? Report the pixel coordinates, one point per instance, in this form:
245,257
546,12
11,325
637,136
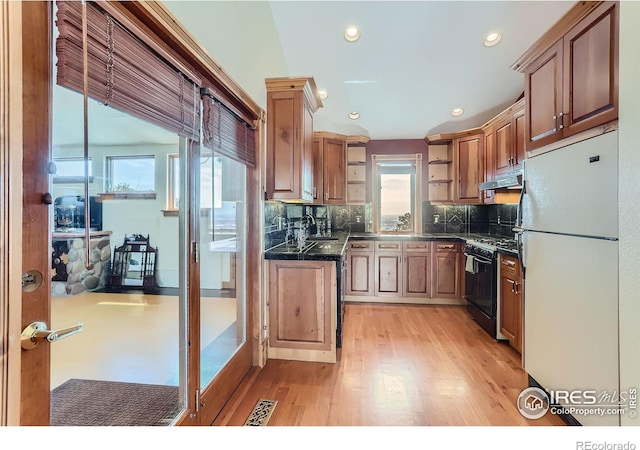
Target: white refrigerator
569,214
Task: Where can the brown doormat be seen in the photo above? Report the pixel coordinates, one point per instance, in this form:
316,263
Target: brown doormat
261,414
110,403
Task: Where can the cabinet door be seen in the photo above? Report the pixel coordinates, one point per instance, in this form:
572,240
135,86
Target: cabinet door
591,71
335,172
504,144
307,149
489,162
519,151
417,267
318,169
519,307
388,276
284,159
446,275
543,94
360,273
301,304
508,308
470,169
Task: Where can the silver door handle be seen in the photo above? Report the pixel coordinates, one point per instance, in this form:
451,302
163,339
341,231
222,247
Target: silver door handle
37,331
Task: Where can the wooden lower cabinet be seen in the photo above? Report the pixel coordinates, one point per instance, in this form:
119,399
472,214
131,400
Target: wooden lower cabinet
302,310
446,270
416,269
411,271
360,273
388,276
511,301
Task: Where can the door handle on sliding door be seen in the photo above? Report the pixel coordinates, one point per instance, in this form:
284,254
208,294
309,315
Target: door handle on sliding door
37,331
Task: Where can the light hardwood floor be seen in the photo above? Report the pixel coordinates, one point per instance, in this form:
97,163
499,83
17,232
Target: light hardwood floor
399,365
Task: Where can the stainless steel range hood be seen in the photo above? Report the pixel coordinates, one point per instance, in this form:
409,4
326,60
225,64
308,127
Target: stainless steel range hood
511,180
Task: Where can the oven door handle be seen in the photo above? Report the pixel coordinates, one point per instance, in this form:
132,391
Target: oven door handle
480,260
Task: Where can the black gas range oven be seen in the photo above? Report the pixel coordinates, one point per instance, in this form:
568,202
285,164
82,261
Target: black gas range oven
481,280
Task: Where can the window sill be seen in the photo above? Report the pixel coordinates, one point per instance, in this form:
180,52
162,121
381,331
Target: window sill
204,212
127,196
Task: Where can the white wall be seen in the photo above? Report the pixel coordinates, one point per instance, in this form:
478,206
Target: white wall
130,216
240,36
629,193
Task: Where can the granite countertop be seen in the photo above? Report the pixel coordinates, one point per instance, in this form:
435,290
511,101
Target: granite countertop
333,248
321,249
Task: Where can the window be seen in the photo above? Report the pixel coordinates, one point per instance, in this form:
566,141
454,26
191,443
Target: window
210,181
397,203
71,170
130,174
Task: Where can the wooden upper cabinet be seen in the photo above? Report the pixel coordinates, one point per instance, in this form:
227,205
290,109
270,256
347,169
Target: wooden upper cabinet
330,169
591,65
571,75
509,140
489,162
335,172
291,103
318,172
503,143
470,168
543,93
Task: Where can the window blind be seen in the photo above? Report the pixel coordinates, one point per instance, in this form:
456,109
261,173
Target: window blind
124,72
224,132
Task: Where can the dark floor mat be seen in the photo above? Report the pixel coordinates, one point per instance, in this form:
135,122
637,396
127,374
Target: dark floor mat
109,403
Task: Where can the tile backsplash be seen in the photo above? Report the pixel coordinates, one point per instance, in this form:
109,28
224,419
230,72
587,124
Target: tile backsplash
492,219
282,221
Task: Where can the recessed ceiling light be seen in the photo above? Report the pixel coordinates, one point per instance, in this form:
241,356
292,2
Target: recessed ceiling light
354,115
352,34
457,112
323,94
492,39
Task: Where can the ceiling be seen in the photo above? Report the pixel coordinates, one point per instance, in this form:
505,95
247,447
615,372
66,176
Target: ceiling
414,63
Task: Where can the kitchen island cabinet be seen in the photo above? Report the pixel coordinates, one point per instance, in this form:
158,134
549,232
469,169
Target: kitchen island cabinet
302,310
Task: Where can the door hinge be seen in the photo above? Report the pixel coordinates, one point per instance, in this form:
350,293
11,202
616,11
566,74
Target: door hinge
197,400
195,250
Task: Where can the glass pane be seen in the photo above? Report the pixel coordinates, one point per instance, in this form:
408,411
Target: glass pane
395,202
222,263
71,167
128,365
130,174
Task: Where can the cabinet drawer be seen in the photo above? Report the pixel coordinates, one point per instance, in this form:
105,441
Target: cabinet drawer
445,247
360,246
416,246
509,266
386,246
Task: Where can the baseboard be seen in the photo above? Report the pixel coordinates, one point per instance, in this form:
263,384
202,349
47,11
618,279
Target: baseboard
403,300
